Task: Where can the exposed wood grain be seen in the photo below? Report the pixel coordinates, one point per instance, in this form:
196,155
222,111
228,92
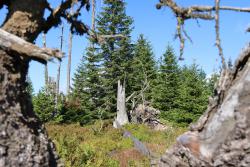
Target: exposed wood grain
14,44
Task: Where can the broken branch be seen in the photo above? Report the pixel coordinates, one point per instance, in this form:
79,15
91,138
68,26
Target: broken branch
14,44
217,29
54,18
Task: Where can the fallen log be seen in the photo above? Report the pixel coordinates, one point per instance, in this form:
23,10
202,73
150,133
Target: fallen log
14,44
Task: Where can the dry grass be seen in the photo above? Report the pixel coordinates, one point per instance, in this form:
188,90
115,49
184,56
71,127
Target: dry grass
130,157
86,146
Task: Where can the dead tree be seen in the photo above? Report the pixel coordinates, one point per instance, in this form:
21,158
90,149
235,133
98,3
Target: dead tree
221,135
46,75
23,139
122,116
69,55
58,75
69,62
197,12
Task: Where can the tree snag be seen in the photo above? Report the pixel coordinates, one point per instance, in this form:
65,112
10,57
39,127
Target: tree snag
23,139
122,116
221,136
202,12
46,74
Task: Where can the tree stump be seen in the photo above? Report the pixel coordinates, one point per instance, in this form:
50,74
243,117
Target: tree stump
122,116
221,137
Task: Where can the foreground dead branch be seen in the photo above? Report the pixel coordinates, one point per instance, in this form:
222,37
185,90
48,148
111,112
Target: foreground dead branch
197,12
13,44
221,136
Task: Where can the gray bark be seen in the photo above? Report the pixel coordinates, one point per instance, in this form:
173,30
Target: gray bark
14,44
122,116
69,56
46,75
221,137
69,62
23,139
58,75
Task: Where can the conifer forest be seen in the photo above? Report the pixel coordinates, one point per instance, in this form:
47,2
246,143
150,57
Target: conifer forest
124,83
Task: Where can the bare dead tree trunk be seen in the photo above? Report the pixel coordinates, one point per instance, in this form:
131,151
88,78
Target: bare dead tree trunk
23,139
217,30
93,15
69,62
221,137
58,74
122,116
69,56
46,75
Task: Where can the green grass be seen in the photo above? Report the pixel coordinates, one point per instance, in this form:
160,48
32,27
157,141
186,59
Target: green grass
93,146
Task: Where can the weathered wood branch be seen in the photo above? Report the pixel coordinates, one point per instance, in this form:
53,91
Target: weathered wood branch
217,30
14,44
54,18
201,12
198,12
221,136
194,12
98,38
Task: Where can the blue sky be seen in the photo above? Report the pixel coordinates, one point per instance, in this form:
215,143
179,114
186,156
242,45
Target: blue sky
158,26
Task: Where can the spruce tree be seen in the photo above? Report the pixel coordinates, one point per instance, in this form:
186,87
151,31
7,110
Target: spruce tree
165,91
144,68
80,90
44,103
88,88
193,95
117,52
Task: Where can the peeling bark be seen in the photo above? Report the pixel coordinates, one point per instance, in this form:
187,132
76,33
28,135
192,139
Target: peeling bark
23,139
221,137
13,44
122,116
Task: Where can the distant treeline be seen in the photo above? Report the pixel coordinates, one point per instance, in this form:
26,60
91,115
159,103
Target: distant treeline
179,92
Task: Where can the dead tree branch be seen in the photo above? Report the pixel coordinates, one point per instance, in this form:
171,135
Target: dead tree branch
217,29
14,44
198,12
77,26
54,19
4,2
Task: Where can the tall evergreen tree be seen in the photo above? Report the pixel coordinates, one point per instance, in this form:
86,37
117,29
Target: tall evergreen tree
144,68
117,52
80,90
88,88
193,95
165,92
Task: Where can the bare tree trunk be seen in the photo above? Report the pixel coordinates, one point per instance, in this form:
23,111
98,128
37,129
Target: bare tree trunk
69,56
221,137
58,75
93,15
23,139
69,62
122,116
46,75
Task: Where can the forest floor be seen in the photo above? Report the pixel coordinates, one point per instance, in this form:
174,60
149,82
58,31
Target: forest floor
100,145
